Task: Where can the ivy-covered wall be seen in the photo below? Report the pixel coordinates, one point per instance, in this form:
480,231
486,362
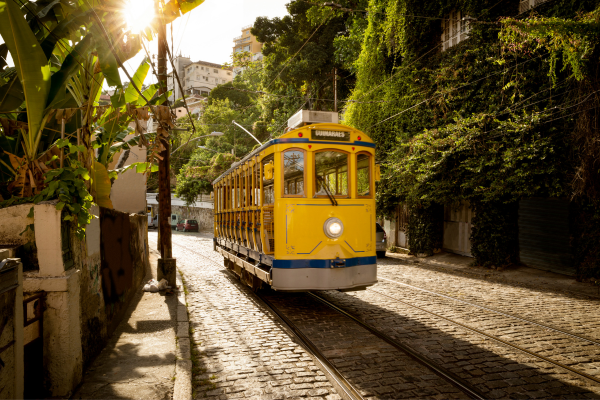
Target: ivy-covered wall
478,122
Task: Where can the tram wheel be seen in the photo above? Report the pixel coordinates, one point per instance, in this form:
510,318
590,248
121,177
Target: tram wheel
257,284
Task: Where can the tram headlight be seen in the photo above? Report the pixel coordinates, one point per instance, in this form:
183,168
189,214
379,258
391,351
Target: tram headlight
333,228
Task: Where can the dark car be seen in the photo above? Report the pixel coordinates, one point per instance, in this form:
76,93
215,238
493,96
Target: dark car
381,238
187,225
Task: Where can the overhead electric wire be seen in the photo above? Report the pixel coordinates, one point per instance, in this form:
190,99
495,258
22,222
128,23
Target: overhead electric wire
58,41
301,97
354,10
118,59
434,48
295,54
451,90
183,32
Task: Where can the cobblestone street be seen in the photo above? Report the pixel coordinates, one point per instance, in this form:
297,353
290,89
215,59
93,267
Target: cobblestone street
242,350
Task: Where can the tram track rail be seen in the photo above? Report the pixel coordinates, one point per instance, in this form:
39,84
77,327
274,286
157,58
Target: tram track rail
345,389
505,314
461,384
348,391
456,381
495,338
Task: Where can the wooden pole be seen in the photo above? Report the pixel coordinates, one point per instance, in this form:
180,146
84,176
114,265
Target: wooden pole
62,136
335,89
164,179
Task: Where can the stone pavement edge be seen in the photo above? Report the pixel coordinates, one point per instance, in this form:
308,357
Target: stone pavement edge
148,355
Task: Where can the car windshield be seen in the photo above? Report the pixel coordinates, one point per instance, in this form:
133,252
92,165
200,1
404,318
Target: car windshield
378,228
191,221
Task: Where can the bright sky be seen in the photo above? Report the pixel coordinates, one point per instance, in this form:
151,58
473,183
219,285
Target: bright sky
207,32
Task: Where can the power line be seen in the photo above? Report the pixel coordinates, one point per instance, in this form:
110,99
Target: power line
307,40
338,7
452,90
301,97
59,42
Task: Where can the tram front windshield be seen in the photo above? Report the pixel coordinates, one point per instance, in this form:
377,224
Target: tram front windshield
331,172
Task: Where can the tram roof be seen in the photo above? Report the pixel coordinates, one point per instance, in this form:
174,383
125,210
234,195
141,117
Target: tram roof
293,134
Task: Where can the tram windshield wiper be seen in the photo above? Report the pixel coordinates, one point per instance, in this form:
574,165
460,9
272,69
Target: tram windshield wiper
324,185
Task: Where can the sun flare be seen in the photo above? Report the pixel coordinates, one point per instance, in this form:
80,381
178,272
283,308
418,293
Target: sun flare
138,14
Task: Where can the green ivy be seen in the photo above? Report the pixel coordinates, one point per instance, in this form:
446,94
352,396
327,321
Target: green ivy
495,233
68,185
475,122
425,228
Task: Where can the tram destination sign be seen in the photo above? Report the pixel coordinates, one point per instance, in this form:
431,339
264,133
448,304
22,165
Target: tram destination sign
338,136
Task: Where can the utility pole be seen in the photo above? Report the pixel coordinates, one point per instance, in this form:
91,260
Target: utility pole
166,264
335,89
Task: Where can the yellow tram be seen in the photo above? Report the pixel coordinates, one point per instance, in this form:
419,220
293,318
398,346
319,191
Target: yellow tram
298,213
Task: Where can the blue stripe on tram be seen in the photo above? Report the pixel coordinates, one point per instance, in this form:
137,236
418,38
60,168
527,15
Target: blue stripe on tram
349,262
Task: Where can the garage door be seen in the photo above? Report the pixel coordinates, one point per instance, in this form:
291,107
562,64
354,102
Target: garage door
544,234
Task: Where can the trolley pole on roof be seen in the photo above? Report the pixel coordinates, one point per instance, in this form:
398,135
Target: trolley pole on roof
166,264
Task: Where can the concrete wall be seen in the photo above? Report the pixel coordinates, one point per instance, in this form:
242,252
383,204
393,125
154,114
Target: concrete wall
11,331
124,260
128,192
93,322
13,221
204,216
78,320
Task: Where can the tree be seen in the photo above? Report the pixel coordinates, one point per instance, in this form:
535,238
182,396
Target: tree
299,60
63,52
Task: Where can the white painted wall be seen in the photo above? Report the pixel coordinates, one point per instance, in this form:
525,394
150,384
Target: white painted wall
128,193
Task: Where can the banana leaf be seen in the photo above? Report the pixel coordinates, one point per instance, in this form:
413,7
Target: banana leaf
101,185
32,68
11,95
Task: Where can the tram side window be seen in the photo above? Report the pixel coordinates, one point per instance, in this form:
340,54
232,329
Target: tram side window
257,183
331,172
268,185
363,175
293,173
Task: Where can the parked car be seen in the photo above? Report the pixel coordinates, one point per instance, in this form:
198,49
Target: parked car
152,221
380,240
187,225
174,221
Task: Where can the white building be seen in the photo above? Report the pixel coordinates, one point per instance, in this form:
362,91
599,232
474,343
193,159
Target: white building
247,42
197,78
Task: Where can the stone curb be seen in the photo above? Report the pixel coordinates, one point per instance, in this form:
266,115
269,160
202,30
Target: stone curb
488,274
183,367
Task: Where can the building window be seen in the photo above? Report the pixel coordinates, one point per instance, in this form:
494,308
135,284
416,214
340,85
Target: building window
455,29
247,48
215,71
229,73
204,93
206,78
526,5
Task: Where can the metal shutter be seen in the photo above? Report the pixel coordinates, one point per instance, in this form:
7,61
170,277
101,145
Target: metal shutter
544,234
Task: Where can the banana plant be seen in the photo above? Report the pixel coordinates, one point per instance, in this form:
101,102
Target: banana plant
54,48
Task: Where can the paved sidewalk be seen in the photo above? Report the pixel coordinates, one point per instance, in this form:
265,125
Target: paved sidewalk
523,275
140,358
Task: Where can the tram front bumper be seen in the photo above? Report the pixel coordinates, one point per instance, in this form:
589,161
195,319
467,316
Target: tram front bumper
301,279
